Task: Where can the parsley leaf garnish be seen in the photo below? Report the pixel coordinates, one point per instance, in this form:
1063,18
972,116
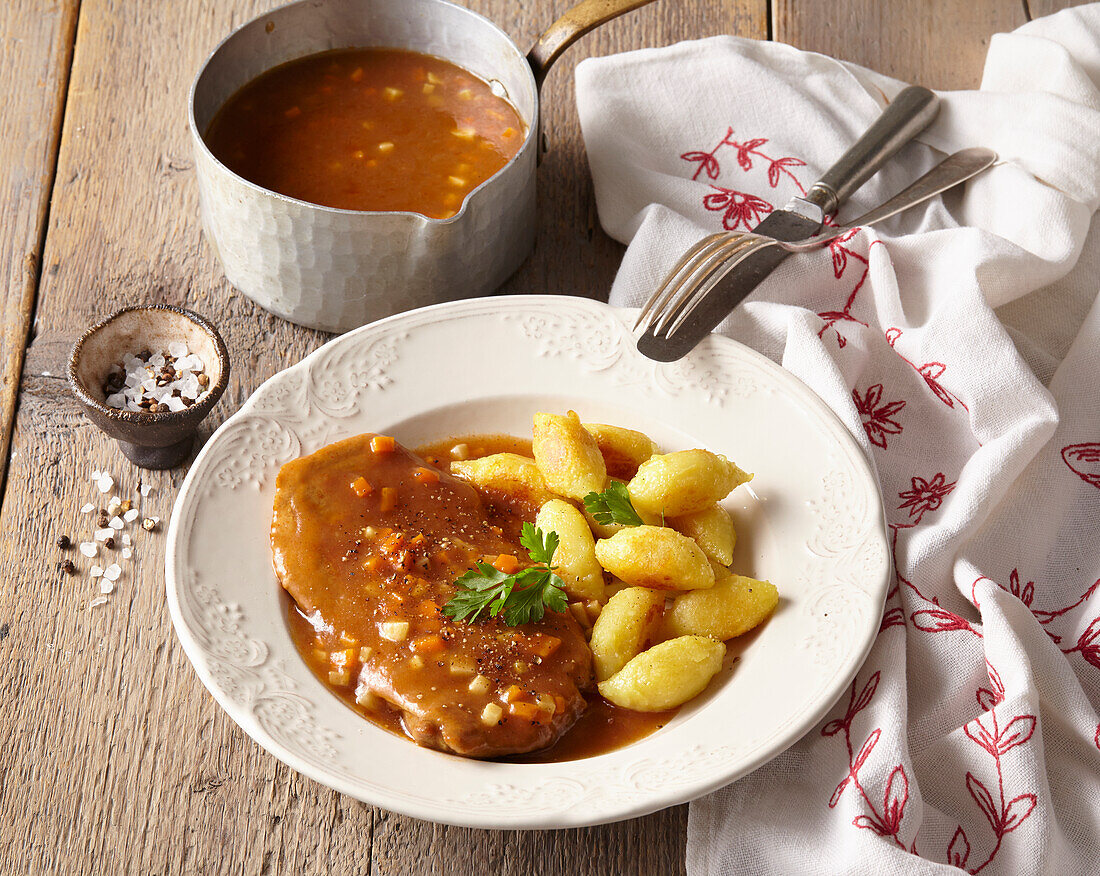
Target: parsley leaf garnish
519,598
612,506
540,545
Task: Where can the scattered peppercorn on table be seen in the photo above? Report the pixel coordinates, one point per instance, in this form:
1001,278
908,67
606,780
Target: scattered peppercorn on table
114,757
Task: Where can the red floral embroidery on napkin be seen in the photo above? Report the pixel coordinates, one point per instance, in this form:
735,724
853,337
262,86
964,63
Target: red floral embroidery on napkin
930,371
1088,643
878,419
925,495
746,151
1003,815
1084,461
884,821
739,208
841,254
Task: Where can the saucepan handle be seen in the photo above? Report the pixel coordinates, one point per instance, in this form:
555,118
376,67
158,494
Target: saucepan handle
575,23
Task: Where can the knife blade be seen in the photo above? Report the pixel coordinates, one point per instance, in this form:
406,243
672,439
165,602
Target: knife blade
911,111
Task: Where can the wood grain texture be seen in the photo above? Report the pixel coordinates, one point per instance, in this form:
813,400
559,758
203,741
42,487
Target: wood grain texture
113,757
935,43
1039,8
35,50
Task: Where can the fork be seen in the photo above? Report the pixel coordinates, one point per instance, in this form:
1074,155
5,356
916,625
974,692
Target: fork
709,260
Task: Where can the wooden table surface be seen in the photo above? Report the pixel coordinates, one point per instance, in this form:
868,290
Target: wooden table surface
113,757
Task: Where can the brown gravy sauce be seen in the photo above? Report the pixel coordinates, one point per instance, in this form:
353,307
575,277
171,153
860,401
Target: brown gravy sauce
601,729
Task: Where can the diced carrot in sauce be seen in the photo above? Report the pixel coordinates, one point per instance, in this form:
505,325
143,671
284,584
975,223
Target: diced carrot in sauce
513,693
559,704
506,563
526,711
426,476
432,644
427,608
382,444
543,645
418,540
392,543
431,625
389,499
344,658
361,487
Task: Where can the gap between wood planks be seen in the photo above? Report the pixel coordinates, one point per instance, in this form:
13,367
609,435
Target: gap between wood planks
28,306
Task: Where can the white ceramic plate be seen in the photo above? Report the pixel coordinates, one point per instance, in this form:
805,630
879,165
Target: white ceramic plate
812,523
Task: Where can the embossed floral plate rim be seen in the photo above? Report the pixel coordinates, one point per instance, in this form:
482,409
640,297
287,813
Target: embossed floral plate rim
817,525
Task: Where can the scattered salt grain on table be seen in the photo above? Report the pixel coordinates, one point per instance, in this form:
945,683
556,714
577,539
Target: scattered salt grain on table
95,571
112,572
116,523
87,507
106,586
99,600
88,548
105,482
131,515
172,380
127,553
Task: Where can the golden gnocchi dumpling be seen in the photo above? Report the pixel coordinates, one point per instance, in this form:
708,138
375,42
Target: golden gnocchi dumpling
711,529
606,530
615,585
567,455
684,482
628,623
575,557
623,450
733,606
509,473
665,676
655,557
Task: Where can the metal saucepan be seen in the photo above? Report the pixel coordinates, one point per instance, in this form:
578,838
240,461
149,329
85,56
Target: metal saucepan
337,269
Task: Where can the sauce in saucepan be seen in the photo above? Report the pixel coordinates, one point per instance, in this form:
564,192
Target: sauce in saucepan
368,129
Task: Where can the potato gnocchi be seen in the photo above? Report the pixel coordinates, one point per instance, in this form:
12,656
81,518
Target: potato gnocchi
665,676
658,597
733,606
625,628
623,450
509,473
684,482
567,455
576,554
655,557
711,529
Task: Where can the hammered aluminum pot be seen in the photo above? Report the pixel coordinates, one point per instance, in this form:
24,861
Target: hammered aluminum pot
335,269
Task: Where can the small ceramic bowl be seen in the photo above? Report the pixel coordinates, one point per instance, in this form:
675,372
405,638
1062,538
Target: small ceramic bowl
149,440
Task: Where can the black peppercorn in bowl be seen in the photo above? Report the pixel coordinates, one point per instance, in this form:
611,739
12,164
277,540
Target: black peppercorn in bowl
129,361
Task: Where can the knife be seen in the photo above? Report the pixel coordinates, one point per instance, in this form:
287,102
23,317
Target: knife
908,114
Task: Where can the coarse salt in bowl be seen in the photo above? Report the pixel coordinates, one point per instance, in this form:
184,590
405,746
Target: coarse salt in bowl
160,438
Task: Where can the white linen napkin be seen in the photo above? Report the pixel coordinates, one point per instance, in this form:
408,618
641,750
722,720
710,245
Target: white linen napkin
962,349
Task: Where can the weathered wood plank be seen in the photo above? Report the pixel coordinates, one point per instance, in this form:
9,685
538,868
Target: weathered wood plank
1039,8
35,47
113,757
936,43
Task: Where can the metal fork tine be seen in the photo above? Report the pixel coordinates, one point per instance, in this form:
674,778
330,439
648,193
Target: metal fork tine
657,300
703,272
703,288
